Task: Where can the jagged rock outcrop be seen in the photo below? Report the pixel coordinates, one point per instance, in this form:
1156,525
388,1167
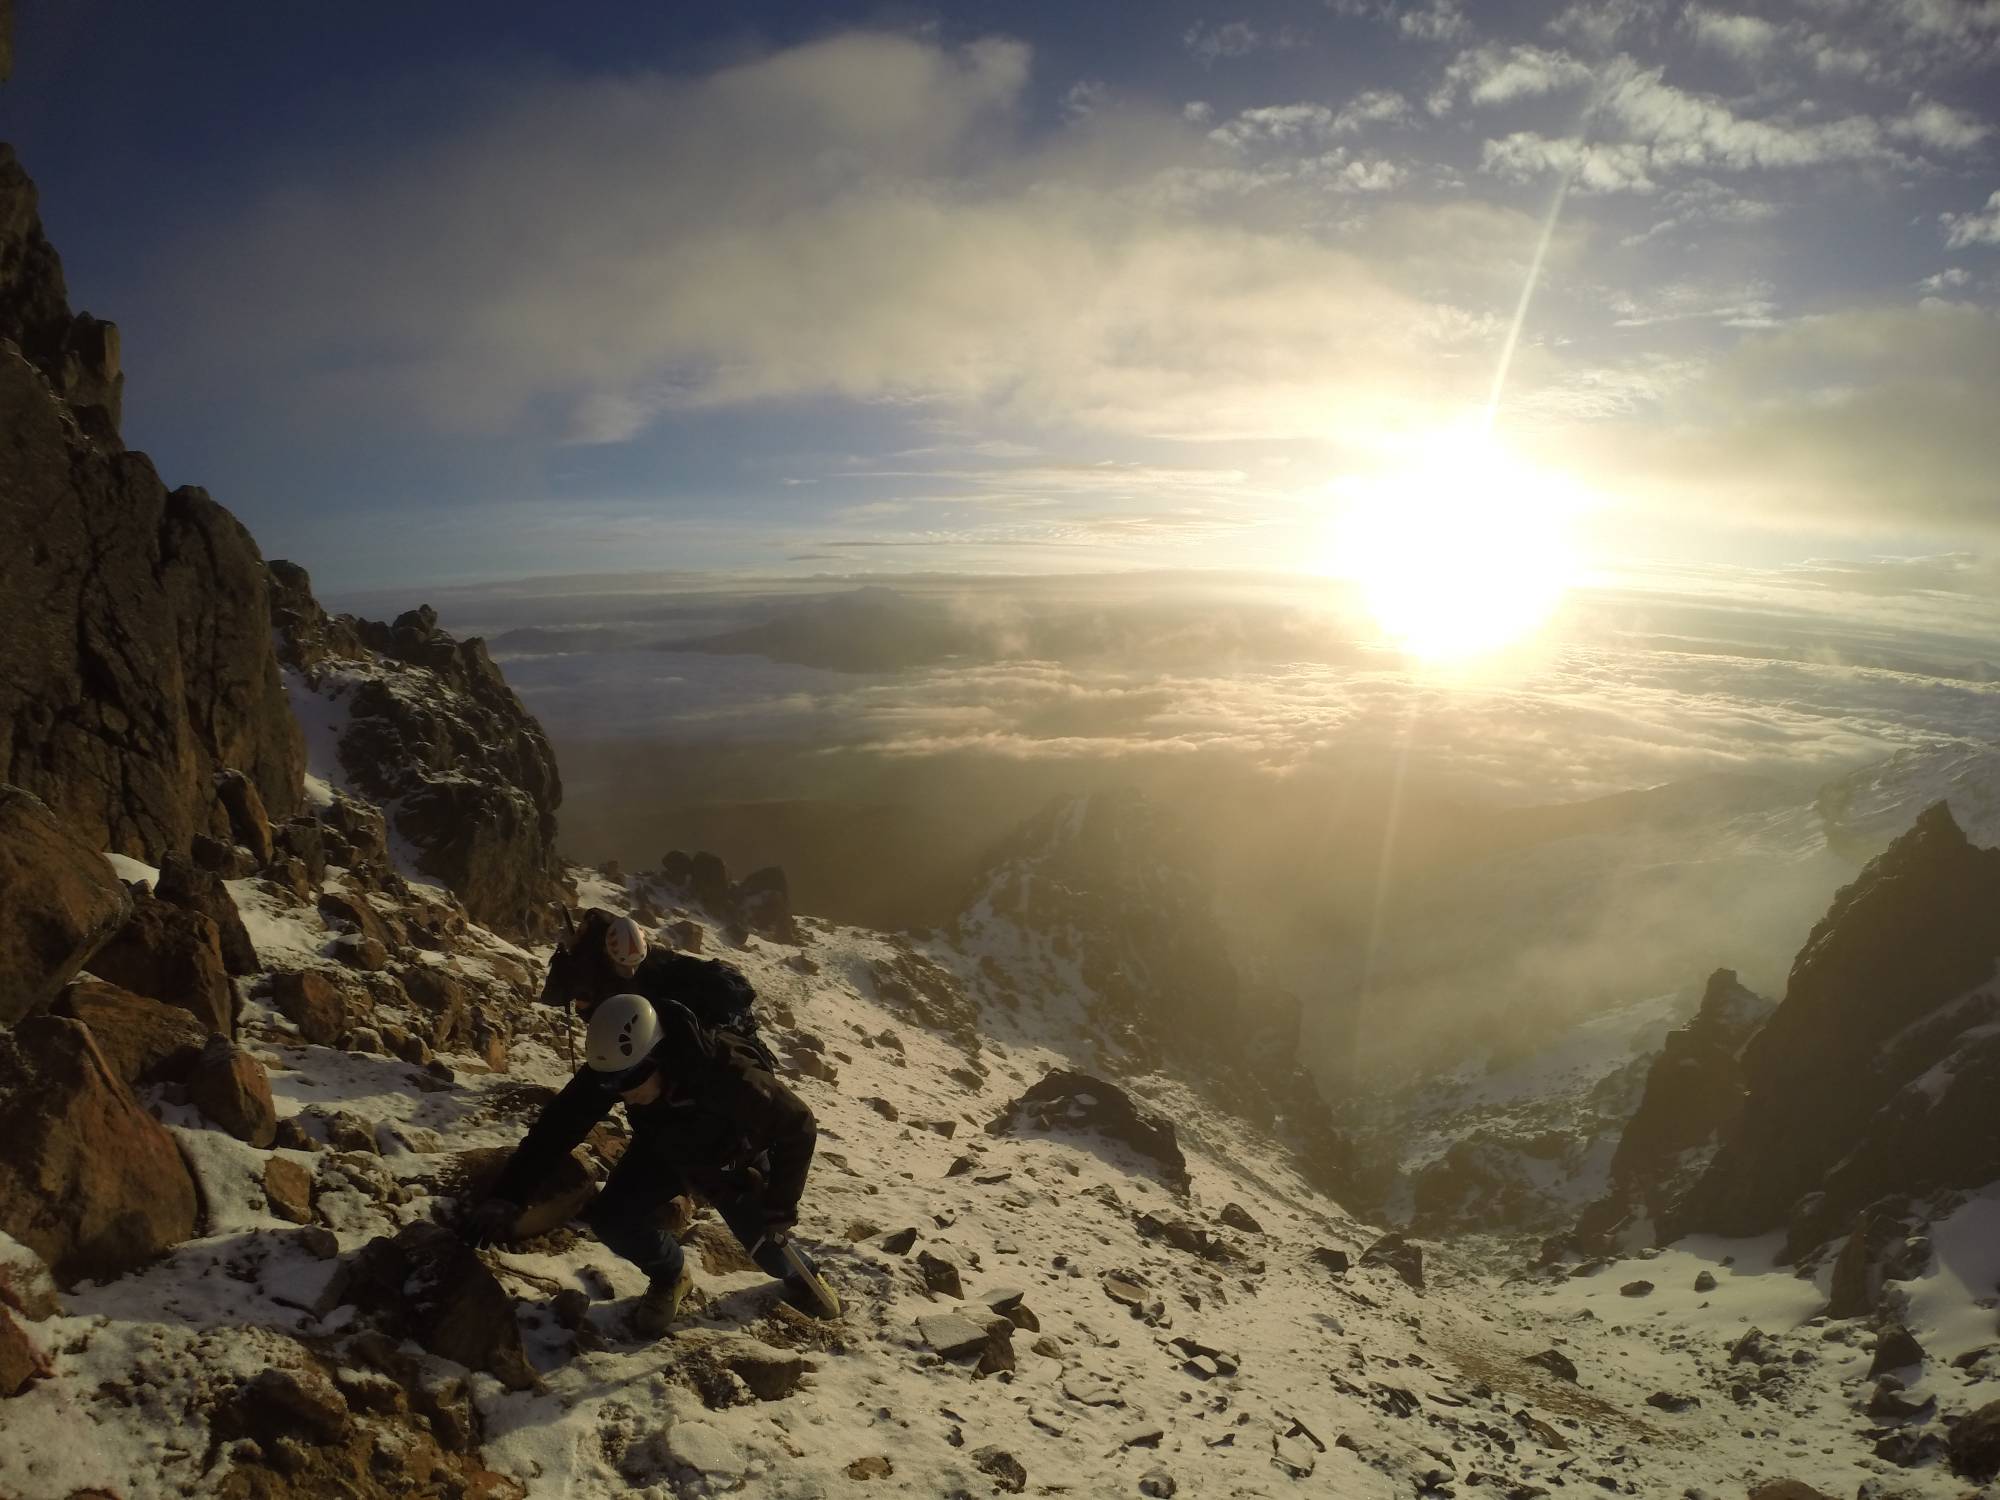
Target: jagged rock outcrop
1879,1073
59,901
1693,1096
761,902
1063,1101
89,1181
135,643
461,768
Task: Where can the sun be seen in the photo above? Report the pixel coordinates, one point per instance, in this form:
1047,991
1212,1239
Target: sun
1460,555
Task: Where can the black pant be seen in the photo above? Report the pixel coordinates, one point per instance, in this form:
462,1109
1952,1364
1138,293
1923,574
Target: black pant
626,1215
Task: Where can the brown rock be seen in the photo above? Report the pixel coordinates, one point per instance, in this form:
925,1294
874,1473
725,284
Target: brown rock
1004,1469
185,884
1400,1256
874,1466
58,902
1894,1349
174,956
940,1275
899,1241
288,1187
89,1181
1787,1489
20,1360
298,1403
357,913
560,1197
25,1283
143,1040
1236,1216
313,1003
359,952
249,824
230,1087
440,994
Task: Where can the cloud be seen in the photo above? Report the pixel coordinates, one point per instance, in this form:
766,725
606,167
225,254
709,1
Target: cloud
1435,21
866,217
1940,126
1980,227
1869,420
1593,167
1743,37
1495,74
1210,44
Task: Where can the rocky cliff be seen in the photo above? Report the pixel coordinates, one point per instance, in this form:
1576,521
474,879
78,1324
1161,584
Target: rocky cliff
135,634
1875,1076
425,725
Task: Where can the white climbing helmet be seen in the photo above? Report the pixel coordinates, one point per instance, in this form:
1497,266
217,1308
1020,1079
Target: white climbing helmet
623,1032
625,944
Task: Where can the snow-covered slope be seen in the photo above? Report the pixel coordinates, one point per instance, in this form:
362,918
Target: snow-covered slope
1295,1377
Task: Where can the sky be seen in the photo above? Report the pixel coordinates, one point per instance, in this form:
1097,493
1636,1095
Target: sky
456,293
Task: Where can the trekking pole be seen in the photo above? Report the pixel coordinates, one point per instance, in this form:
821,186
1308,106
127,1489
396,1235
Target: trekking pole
569,1036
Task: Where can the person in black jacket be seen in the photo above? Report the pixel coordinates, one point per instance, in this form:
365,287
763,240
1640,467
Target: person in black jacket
706,1116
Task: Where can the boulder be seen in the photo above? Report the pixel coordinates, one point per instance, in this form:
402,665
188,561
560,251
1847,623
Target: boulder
1787,1489
440,994
58,902
20,1360
1236,1216
356,913
242,804
185,884
940,1275
89,1181
288,1189
565,1193
143,1040
426,1284
1065,1101
764,899
1400,1256
1975,1444
171,955
313,1003
1895,1349
25,1282
290,1403
229,1086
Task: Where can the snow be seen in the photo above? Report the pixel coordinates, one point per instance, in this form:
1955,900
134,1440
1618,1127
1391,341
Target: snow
129,869
1321,1357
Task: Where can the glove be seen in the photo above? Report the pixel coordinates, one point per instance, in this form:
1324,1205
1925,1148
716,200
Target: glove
490,1221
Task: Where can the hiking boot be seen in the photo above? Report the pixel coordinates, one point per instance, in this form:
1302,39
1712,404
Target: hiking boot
661,1305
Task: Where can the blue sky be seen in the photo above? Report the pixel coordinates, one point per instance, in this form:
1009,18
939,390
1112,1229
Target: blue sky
456,292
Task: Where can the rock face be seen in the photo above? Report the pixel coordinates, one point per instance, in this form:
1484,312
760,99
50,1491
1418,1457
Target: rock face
1065,1101
435,734
1693,1096
1879,1073
58,902
89,1181
135,635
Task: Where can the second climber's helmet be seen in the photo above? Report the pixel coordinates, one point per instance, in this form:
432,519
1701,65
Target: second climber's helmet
625,944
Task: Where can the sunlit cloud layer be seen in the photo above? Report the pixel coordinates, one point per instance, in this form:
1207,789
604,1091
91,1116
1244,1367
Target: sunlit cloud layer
1195,299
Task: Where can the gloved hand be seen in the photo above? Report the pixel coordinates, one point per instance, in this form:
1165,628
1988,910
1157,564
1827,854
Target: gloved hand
490,1220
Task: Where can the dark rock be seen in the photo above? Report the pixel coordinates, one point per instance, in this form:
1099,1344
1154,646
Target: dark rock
899,1241
249,824
229,1086
1004,1469
58,902
1887,1403
1895,1349
1400,1256
428,1285
954,1335
143,1040
26,1285
940,1275
1556,1363
187,885
1335,1261
288,1189
764,899
441,995
300,1403
685,936
304,840
872,1466
360,953
220,857
1236,1216
313,1003
1975,1444
1636,1289
1863,1015
356,913
171,955
1067,1101
883,1108
1857,1270
89,1181
1704,1281
565,1193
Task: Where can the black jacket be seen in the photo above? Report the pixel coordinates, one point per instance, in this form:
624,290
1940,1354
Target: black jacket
718,1110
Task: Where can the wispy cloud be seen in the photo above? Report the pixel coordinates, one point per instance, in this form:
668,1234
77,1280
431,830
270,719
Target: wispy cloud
1980,227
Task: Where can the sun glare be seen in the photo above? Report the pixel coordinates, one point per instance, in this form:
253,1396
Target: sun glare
1461,555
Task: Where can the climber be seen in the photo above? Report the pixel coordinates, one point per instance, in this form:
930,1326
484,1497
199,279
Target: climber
705,1115
606,955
